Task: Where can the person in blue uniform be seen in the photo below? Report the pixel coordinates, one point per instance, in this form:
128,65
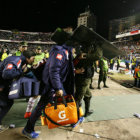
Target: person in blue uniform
11,68
57,79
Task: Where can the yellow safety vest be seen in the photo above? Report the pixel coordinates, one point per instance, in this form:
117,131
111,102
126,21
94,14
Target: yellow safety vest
119,61
38,58
134,61
111,61
47,55
18,53
105,67
4,56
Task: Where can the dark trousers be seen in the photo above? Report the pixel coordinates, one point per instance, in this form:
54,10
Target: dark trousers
118,65
139,83
111,66
82,89
133,68
135,82
45,99
102,77
127,66
5,105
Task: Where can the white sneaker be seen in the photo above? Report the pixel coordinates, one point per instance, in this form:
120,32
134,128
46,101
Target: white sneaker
3,128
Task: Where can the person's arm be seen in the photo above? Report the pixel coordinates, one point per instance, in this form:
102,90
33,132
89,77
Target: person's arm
57,61
11,71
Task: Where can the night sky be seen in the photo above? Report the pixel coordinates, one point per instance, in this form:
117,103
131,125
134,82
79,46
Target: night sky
46,16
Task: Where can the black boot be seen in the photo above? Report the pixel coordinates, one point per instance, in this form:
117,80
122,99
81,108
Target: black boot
105,86
87,106
91,87
135,82
99,85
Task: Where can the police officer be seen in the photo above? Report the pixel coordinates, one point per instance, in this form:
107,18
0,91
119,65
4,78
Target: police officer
58,78
138,75
11,68
133,61
39,55
93,70
83,81
23,47
103,65
4,55
111,64
127,63
118,63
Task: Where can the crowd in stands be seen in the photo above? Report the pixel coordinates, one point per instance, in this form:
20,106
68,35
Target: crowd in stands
12,47
131,29
24,36
129,46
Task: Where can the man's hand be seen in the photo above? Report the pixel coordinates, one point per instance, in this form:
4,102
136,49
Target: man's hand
59,93
80,71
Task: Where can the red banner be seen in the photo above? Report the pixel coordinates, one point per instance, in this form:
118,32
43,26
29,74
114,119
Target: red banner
134,32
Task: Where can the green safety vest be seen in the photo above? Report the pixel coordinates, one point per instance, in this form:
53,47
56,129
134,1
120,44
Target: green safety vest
18,53
39,57
119,61
105,65
47,55
134,61
111,61
4,56
138,73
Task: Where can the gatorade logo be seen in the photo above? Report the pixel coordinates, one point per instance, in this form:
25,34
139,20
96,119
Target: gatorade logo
62,115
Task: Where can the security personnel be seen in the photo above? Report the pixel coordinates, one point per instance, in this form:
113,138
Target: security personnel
11,68
39,55
111,64
136,75
93,69
118,63
83,81
127,63
23,47
103,65
4,55
133,61
58,78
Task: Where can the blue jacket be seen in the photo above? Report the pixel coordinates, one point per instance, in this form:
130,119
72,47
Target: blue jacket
58,72
11,68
